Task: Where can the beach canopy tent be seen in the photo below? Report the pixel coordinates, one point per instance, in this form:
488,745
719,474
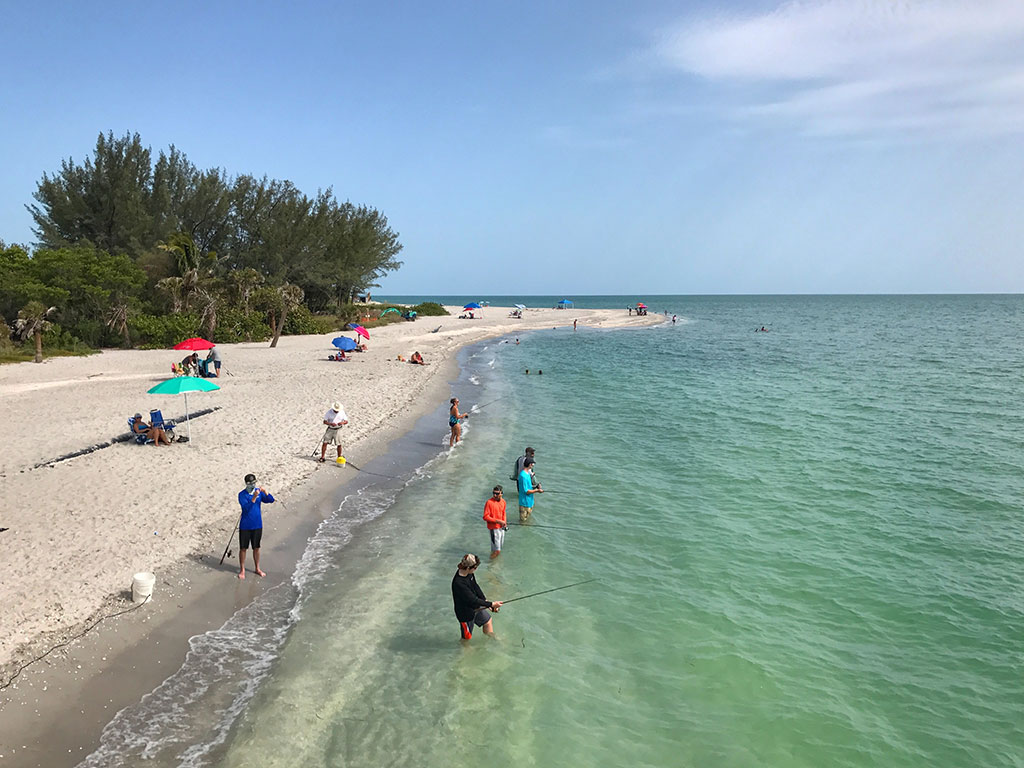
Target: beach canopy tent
182,385
472,305
641,305
344,343
565,304
519,306
195,343
360,330
389,309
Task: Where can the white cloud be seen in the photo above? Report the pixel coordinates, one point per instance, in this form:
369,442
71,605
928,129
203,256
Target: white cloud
857,66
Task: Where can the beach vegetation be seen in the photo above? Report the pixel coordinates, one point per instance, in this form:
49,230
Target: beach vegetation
33,320
137,248
429,309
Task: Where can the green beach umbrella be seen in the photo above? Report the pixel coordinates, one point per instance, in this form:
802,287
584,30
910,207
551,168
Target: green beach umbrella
182,385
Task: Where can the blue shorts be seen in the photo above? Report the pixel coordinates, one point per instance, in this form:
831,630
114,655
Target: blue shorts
479,619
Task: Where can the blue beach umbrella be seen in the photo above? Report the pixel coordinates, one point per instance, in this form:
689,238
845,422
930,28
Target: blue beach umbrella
472,305
344,343
182,385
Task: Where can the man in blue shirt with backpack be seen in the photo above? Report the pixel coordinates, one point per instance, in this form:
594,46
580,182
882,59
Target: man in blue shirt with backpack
250,525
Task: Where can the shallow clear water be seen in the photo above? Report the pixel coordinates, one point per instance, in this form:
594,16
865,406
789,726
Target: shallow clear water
808,544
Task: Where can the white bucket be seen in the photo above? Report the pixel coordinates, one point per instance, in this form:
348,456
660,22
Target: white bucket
142,586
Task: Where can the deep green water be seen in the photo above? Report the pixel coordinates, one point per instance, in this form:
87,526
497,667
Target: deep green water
809,546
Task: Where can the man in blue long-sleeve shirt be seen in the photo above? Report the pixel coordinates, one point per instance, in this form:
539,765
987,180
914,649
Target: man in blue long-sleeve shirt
250,525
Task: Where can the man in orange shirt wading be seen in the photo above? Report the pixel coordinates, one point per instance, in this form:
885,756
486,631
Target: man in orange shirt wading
494,516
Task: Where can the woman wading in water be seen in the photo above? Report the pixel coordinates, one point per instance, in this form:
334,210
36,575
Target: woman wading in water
455,422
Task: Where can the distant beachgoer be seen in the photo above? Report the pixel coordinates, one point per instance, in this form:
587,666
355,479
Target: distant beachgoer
471,607
455,422
526,491
156,434
630,311
250,525
517,341
214,357
540,372
335,419
417,359
673,319
190,364
574,325
527,371
494,516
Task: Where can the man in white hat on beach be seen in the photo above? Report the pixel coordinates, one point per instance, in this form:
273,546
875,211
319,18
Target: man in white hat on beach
335,419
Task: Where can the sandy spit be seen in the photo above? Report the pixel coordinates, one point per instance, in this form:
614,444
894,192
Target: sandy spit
80,528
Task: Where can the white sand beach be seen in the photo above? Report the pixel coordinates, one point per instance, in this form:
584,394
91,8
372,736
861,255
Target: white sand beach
80,528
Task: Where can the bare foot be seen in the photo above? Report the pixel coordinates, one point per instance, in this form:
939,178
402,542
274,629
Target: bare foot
260,573
495,554
241,574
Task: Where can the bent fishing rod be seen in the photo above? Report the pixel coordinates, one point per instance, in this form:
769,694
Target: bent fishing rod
523,597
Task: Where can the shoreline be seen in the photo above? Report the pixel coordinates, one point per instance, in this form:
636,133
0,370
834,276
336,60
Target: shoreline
128,656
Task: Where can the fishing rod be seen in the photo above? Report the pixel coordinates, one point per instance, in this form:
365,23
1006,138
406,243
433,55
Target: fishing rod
227,549
555,527
523,597
481,407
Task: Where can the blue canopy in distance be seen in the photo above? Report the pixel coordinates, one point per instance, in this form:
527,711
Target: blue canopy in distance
344,343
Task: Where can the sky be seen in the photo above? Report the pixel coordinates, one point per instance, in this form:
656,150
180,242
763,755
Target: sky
822,146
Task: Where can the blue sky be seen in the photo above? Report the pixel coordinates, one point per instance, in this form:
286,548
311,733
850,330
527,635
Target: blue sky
824,146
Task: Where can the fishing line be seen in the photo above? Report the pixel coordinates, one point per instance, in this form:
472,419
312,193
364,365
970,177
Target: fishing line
523,597
554,527
71,640
368,472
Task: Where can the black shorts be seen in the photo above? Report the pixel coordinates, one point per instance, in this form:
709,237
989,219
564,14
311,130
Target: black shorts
480,618
250,538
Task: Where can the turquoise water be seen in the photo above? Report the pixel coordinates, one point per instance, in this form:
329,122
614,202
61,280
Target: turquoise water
808,543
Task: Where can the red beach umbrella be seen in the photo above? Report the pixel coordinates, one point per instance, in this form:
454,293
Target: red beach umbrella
195,343
360,330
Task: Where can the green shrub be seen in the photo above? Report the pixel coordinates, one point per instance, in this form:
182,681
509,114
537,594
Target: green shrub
236,325
300,321
56,339
429,309
163,331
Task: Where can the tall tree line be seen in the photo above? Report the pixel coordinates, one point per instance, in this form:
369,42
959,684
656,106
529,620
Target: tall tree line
165,237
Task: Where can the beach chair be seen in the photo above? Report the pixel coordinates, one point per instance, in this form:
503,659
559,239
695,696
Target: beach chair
156,418
140,439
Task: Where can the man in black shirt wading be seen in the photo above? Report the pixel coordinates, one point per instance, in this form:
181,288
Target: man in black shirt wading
471,607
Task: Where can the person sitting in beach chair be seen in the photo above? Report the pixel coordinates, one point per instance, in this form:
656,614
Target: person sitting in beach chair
147,432
417,359
156,419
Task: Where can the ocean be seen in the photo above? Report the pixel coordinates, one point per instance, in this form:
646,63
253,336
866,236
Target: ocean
808,549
